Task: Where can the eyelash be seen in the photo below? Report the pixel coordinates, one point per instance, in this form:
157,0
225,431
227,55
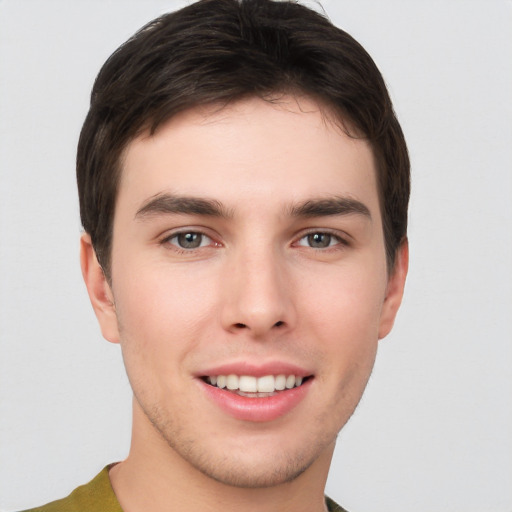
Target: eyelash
339,241
167,240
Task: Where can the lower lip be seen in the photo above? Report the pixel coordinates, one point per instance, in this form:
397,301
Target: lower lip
257,409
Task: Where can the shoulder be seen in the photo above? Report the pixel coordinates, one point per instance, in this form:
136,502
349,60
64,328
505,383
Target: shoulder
332,506
96,496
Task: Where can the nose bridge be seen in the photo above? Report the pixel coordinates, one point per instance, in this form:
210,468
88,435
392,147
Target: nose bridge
257,293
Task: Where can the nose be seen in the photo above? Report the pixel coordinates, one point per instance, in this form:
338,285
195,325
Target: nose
258,294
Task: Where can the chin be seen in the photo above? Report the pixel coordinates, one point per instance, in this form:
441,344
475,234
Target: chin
246,472
260,462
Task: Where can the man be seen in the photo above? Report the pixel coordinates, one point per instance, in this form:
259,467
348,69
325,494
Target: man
243,188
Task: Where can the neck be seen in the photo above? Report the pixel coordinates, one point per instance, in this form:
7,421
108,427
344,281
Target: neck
155,477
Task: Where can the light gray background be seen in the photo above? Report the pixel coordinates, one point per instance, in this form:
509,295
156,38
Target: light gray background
434,430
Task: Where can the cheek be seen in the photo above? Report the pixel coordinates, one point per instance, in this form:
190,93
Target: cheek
348,302
345,313
168,296
160,317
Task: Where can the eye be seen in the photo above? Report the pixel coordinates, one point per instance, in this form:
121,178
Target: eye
189,240
320,240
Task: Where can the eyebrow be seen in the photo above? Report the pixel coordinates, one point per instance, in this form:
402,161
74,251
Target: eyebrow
172,204
337,205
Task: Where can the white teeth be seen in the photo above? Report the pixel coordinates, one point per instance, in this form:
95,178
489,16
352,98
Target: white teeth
266,384
232,382
280,382
247,384
250,384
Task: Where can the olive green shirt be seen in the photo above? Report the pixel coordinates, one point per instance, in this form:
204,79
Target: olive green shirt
98,496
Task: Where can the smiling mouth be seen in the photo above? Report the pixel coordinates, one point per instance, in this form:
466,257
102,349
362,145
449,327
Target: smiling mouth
255,387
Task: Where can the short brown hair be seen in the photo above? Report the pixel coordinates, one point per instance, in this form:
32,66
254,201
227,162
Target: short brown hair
220,51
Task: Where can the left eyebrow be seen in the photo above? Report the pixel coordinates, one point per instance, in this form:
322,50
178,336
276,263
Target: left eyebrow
173,204
330,206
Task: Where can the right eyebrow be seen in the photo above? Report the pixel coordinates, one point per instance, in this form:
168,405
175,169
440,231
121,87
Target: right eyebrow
337,205
173,204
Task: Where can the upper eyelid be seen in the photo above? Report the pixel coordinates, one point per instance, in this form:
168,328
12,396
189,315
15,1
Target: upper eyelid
171,233
170,241
340,241
178,233
165,241
341,235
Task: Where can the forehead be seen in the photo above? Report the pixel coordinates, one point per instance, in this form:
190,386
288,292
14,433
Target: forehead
250,151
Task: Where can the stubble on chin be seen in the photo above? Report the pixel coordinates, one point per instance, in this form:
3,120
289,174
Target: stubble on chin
235,468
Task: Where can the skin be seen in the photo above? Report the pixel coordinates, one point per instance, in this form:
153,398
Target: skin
259,288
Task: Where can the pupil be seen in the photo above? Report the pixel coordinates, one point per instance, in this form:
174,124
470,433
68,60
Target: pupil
319,240
189,240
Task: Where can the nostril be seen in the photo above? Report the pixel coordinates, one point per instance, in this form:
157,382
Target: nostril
240,325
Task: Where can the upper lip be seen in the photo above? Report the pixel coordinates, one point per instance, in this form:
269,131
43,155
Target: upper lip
256,370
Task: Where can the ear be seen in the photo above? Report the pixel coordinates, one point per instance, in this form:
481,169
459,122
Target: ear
99,290
394,290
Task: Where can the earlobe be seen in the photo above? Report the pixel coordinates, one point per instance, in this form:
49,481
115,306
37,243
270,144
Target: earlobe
395,290
100,293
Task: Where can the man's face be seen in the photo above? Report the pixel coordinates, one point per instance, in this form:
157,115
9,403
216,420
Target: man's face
248,252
